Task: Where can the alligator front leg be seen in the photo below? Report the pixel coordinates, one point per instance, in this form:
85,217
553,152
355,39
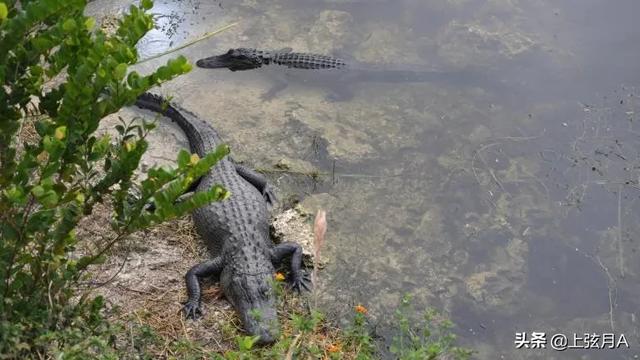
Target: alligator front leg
341,93
299,280
259,181
208,268
279,84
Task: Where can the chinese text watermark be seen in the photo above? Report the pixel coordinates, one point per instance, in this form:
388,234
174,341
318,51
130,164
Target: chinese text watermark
562,342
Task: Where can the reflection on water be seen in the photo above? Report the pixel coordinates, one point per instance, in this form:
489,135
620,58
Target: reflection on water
510,201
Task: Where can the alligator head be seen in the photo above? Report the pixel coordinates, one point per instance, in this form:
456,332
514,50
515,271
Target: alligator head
234,60
253,298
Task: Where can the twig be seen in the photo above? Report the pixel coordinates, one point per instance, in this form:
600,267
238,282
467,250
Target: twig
134,290
98,285
319,231
611,285
475,173
620,250
612,290
292,347
184,327
204,37
135,312
333,174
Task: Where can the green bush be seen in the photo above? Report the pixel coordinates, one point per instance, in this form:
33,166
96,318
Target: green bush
429,339
61,76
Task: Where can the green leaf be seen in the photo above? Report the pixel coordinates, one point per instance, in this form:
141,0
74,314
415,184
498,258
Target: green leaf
41,43
3,11
37,191
89,23
183,158
69,25
61,132
49,199
120,71
16,194
146,4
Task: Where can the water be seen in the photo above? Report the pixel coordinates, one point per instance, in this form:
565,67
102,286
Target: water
511,202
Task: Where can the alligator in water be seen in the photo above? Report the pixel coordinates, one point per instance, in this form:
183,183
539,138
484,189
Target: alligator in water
236,231
332,72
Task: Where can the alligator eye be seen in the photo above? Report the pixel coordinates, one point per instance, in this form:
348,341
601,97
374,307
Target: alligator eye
264,290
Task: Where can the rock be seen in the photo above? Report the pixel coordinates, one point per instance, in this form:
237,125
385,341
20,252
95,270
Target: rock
502,284
295,226
477,44
296,166
329,32
383,44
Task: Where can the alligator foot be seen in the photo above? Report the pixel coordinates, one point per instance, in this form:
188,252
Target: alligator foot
192,310
269,195
301,281
277,87
207,268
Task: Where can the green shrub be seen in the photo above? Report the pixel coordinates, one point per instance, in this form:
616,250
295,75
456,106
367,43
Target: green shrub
429,339
61,77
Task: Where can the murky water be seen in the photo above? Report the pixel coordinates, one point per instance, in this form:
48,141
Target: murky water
511,201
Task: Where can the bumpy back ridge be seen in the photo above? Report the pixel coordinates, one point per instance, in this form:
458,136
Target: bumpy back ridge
307,61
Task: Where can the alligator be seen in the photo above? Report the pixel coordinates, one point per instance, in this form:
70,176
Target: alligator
236,231
332,72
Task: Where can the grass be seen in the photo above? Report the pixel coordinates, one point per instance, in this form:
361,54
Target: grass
306,334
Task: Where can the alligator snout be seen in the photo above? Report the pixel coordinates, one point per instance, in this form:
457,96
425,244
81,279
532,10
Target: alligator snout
210,63
265,325
266,338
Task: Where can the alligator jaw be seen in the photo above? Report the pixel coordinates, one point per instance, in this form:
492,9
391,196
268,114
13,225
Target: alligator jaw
253,298
262,322
213,62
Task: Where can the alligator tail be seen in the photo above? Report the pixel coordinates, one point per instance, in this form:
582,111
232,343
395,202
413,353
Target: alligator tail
195,129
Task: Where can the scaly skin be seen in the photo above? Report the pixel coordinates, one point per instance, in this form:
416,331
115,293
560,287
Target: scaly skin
247,59
236,231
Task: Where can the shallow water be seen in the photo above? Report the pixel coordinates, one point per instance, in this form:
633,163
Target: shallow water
507,197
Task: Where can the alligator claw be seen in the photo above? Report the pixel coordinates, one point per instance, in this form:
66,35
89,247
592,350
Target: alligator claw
269,195
302,281
192,310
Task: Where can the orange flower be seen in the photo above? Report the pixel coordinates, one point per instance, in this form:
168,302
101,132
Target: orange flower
334,348
361,309
279,276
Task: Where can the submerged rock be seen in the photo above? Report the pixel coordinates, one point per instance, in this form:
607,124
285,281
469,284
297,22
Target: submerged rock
502,283
330,31
477,44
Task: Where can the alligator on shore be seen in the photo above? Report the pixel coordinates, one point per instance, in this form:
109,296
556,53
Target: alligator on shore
236,231
331,72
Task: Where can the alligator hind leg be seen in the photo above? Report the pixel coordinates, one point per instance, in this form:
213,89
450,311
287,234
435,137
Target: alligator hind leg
340,94
299,279
259,181
211,267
